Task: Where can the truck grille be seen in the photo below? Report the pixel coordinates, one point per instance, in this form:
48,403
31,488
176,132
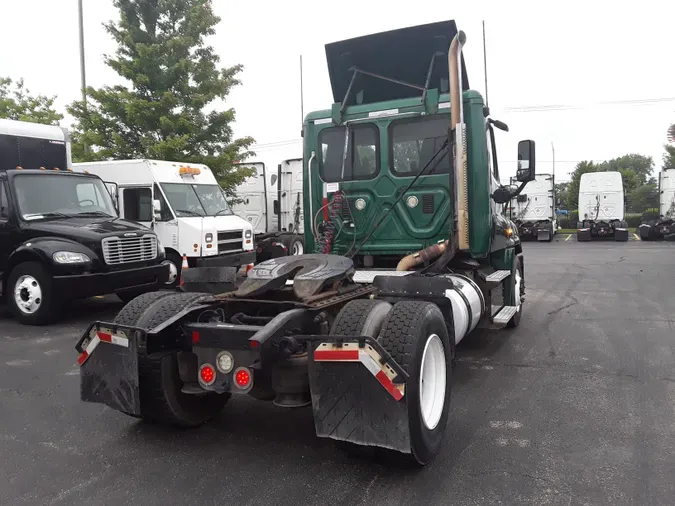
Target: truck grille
127,250
230,241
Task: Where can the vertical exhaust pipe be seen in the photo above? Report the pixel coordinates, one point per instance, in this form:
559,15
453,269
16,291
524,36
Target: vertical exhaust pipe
460,235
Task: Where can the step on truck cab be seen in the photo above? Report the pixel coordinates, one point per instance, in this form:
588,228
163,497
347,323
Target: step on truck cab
533,211
601,207
186,208
271,199
408,253
60,234
662,228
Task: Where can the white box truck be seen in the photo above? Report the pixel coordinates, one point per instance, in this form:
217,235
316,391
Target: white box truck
533,211
185,206
271,199
601,207
664,226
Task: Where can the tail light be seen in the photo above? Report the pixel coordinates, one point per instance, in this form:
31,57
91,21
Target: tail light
242,378
207,374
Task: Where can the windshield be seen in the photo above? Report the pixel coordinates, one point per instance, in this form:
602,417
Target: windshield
196,199
44,195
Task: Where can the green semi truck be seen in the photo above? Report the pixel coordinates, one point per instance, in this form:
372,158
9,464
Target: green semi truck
408,253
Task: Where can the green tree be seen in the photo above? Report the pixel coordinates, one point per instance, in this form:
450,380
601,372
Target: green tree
669,155
17,103
168,110
562,195
641,165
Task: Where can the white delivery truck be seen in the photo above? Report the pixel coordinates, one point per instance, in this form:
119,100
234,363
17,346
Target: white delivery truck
533,211
271,199
601,207
185,206
664,226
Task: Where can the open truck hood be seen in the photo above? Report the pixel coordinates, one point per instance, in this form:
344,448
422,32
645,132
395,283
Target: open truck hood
394,54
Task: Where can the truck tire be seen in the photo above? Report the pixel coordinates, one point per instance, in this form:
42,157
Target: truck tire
29,294
416,335
162,401
518,280
294,243
173,261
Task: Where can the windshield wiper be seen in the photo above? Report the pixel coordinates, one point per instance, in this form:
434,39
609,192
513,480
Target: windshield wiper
223,211
37,216
95,213
193,213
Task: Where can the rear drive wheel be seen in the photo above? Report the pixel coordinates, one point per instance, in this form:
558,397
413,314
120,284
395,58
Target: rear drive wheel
162,400
416,335
29,294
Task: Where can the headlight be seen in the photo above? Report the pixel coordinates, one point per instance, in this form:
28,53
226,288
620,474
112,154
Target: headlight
70,257
248,234
208,237
160,247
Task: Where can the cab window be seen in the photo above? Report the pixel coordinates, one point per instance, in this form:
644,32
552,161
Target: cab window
4,206
413,143
363,153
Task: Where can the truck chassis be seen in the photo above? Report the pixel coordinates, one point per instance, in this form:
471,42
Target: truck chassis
591,229
299,331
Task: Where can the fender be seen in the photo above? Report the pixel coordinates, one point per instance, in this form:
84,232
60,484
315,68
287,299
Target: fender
42,249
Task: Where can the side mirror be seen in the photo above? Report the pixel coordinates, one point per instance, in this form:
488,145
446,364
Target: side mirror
526,162
157,208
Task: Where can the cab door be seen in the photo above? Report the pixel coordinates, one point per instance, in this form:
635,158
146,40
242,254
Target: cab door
136,204
250,202
291,196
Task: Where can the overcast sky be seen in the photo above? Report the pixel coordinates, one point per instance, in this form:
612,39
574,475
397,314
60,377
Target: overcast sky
575,54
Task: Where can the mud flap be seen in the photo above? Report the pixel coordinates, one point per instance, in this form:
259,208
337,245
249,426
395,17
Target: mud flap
621,234
543,235
584,235
108,358
354,403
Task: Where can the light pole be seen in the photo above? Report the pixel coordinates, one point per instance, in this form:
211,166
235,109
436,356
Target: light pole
82,71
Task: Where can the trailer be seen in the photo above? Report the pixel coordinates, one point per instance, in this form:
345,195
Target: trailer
271,199
407,255
601,203
185,206
662,228
533,211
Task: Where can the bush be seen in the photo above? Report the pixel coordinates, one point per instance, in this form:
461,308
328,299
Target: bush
650,214
569,221
633,219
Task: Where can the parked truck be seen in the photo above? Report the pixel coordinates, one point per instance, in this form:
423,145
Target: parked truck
271,200
533,211
411,255
663,227
185,206
60,234
601,207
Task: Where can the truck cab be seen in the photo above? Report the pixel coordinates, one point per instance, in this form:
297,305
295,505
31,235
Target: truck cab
601,207
271,198
533,211
186,208
60,234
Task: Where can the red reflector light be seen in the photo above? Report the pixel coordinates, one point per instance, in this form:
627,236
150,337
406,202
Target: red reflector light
207,374
254,344
195,337
242,377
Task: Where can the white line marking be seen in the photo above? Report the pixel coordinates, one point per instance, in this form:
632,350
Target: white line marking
19,362
637,238
568,237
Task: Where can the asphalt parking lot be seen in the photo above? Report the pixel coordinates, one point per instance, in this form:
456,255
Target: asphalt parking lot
576,406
